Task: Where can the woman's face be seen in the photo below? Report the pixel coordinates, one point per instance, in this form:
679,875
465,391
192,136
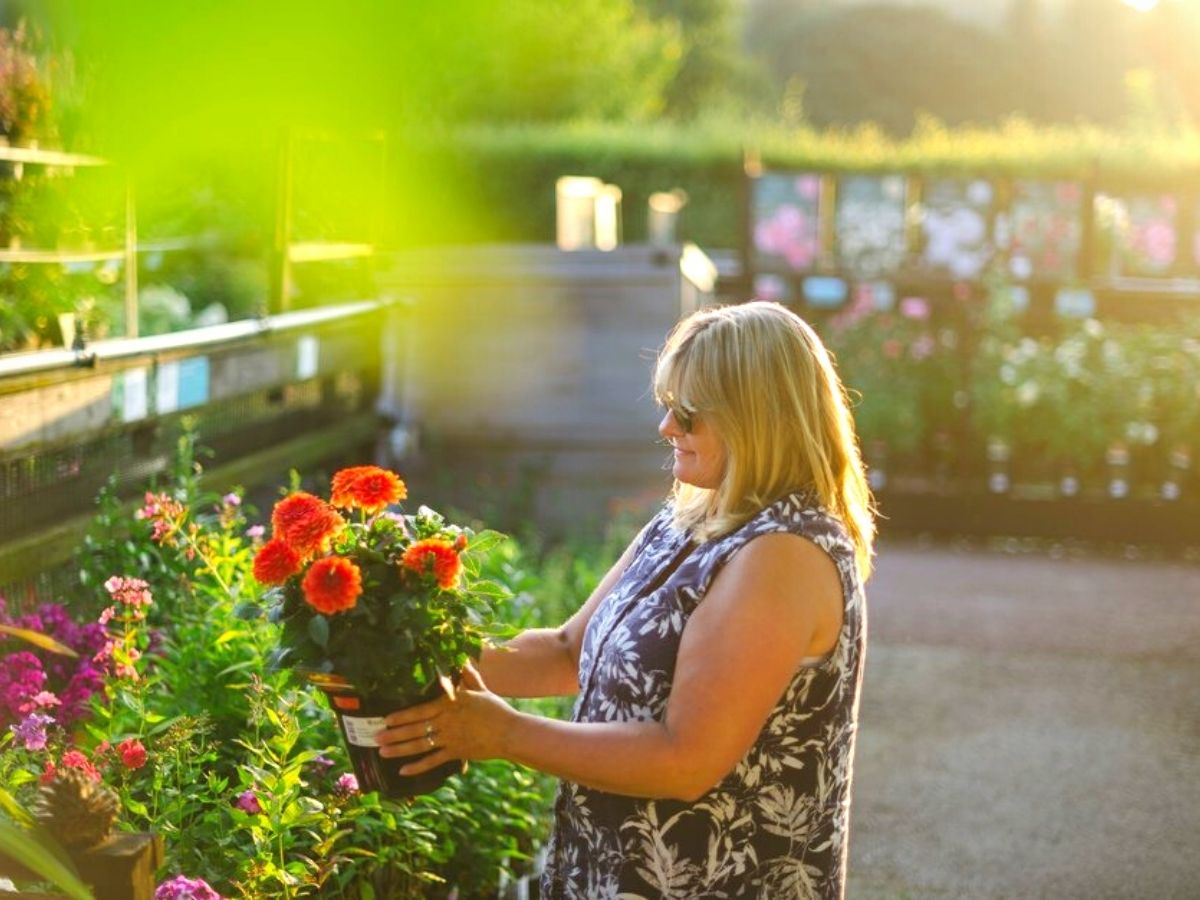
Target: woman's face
699,453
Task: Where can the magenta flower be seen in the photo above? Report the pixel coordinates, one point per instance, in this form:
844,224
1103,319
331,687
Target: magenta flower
247,802
21,679
346,785
183,888
30,732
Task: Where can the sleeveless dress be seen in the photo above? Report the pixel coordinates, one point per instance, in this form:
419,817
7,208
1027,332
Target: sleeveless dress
776,826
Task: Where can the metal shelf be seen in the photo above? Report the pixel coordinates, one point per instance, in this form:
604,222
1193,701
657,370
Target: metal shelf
9,255
320,251
37,156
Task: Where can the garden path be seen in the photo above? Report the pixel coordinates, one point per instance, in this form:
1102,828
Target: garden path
1030,727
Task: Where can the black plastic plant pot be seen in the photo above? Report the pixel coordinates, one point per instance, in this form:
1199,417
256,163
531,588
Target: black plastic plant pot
359,718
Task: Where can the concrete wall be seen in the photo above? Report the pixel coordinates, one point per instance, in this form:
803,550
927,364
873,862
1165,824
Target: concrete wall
527,377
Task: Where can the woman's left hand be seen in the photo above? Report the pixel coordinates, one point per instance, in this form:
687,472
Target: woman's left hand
472,725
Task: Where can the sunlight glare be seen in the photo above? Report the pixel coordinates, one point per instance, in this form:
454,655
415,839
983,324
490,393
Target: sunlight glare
1141,5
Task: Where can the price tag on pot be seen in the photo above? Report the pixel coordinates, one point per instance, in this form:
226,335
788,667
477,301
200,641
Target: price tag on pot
361,731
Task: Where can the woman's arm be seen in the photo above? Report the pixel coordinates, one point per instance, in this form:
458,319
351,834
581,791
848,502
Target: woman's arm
544,662
777,601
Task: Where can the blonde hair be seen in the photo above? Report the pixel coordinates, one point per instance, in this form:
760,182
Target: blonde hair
761,376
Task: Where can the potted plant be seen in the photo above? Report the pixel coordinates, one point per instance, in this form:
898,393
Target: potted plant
380,610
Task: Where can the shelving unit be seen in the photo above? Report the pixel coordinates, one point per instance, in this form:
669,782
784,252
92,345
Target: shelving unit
287,250
20,157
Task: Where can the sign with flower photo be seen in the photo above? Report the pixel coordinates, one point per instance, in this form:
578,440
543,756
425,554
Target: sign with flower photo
1136,235
955,226
380,609
1042,229
869,224
786,222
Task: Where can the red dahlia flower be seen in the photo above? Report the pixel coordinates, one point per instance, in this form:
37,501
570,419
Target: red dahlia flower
276,562
368,488
332,585
306,522
436,556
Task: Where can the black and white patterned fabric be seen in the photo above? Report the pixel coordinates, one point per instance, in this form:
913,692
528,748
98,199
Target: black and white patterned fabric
776,826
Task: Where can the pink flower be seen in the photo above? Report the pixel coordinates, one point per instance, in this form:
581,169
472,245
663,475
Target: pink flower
346,784
131,592
914,308
247,802
183,888
74,759
133,754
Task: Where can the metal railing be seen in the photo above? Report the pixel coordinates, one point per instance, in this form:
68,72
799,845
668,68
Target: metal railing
265,395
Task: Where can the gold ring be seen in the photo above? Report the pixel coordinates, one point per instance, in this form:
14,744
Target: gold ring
428,729
429,738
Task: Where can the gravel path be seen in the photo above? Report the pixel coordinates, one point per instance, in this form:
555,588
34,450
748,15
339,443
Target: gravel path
1030,728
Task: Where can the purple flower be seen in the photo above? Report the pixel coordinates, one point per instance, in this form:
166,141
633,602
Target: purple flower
183,888
254,532
247,802
346,785
321,765
31,731
231,500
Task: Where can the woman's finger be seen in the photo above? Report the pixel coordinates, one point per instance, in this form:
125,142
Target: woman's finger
392,738
471,679
430,710
433,760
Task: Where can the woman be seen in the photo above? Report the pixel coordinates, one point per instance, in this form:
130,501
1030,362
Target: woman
718,664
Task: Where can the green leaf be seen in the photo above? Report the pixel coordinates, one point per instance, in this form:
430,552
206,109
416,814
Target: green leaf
227,636
485,541
10,805
318,630
39,640
38,854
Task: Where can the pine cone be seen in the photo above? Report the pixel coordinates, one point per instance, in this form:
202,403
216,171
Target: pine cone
77,810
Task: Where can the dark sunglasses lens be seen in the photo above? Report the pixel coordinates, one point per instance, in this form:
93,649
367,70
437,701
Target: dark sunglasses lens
684,419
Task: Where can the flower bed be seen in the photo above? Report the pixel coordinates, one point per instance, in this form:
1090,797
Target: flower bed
173,706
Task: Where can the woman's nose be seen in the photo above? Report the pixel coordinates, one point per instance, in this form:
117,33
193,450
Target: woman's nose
668,427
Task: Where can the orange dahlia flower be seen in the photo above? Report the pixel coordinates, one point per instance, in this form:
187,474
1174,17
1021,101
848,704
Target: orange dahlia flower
306,522
368,488
332,585
276,562
436,556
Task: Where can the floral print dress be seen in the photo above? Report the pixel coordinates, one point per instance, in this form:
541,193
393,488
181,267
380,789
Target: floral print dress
776,826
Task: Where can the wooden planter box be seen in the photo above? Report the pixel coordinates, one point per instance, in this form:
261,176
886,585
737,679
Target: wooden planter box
121,868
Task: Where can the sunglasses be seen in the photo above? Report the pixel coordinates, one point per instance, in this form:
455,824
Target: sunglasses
683,418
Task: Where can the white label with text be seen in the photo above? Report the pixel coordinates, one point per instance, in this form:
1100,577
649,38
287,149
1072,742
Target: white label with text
361,732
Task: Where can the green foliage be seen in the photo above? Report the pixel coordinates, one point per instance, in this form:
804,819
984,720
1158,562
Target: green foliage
901,370
510,170
1070,395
